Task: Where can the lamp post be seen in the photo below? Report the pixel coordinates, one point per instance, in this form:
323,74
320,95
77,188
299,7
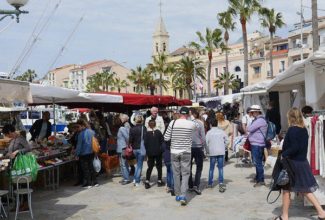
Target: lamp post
16,12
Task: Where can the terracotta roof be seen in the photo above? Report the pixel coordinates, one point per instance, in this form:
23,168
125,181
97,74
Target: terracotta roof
62,67
181,51
97,63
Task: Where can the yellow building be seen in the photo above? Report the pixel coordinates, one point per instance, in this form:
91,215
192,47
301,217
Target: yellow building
259,60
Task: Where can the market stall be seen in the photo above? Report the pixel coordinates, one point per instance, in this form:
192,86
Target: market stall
303,84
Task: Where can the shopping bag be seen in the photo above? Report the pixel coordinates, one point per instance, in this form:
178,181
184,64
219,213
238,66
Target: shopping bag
25,165
97,164
95,145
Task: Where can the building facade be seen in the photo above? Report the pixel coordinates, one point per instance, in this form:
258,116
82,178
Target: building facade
78,77
58,77
259,65
296,47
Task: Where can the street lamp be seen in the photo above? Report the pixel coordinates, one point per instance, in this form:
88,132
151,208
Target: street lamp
10,13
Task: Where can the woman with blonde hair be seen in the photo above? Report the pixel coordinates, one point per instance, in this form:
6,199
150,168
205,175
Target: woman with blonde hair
226,126
295,147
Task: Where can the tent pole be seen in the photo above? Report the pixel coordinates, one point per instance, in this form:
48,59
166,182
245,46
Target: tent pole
54,122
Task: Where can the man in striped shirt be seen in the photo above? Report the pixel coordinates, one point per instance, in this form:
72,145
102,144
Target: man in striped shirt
179,132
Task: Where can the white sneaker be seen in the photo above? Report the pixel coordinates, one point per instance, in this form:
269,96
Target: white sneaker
88,187
137,184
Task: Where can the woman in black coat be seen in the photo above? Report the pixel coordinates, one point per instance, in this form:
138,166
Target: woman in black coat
295,147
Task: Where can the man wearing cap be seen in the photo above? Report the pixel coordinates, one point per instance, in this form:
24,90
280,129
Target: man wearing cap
180,133
160,125
257,133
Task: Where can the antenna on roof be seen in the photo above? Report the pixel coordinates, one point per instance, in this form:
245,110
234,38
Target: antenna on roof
160,8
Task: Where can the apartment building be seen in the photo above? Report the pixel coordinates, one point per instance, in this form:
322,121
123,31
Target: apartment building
78,77
58,76
259,59
296,47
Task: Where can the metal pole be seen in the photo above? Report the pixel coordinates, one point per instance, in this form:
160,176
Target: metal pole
54,122
301,31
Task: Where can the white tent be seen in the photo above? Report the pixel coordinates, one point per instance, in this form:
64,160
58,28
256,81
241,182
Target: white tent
94,98
305,77
49,94
14,92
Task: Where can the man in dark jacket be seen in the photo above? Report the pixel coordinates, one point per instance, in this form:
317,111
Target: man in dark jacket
41,128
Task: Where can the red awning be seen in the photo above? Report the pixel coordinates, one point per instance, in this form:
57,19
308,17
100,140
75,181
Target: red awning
145,100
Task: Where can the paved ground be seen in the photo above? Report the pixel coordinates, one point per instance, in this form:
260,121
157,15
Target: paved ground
112,201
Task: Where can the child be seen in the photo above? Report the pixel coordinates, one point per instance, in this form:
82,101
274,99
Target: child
153,144
217,141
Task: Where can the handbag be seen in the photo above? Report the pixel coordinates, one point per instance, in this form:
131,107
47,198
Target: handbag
283,178
247,145
128,152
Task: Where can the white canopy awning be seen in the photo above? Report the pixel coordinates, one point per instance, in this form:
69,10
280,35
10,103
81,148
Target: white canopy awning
14,92
94,98
43,94
256,88
294,75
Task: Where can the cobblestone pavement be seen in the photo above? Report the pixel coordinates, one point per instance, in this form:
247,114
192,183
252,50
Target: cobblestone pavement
113,201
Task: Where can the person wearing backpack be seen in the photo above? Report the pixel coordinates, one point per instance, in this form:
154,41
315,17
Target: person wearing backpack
273,115
257,133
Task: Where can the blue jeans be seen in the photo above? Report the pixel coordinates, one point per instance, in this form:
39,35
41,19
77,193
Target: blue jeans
139,158
170,178
257,156
124,168
220,163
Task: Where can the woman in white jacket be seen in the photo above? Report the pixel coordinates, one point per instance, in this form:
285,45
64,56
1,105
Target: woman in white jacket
217,141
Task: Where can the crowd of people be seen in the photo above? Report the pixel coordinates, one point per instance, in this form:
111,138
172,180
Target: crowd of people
180,143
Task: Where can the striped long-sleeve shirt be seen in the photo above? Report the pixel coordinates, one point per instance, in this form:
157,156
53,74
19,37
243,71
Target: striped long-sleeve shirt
180,135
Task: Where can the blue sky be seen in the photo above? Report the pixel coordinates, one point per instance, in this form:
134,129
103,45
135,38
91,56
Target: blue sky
120,30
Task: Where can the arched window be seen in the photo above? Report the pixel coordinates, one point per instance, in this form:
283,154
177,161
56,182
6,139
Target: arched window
164,47
157,47
237,69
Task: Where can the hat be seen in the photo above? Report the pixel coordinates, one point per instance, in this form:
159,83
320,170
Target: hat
255,108
184,111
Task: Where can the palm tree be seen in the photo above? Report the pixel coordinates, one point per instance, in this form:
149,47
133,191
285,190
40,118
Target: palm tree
226,22
271,20
178,84
208,43
315,25
162,67
244,9
136,76
107,79
149,82
227,81
218,84
94,83
119,84
184,70
28,76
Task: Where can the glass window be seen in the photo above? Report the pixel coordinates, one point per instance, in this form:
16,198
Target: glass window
237,69
164,47
257,69
157,48
224,69
216,72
